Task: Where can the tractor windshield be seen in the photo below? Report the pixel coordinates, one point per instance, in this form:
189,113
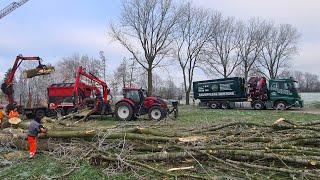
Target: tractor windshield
133,95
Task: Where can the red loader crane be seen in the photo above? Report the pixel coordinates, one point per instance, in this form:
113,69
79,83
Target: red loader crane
100,102
7,86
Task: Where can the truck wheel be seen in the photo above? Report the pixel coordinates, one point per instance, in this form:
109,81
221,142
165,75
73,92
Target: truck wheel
156,113
214,105
70,111
280,105
225,105
40,113
258,105
124,111
60,112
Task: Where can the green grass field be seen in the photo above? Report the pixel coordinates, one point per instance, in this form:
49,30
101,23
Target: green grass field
47,167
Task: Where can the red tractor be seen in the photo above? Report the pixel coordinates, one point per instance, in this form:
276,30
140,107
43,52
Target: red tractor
135,103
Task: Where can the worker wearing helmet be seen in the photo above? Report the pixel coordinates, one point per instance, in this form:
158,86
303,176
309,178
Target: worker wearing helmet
14,113
34,129
2,114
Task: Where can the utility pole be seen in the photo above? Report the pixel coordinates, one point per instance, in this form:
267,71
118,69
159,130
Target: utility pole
103,58
131,73
11,7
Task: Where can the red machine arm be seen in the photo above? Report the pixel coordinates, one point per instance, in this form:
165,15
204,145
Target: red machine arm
93,78
16,64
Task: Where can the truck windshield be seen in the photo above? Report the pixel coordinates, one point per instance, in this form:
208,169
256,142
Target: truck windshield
296,85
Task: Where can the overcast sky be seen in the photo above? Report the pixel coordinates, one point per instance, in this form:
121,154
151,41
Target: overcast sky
53,29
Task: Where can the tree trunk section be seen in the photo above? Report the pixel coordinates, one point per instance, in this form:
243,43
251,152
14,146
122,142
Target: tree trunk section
188,97
150,88
37,72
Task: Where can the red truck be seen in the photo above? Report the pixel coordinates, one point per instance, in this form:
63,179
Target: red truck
64,97
60,100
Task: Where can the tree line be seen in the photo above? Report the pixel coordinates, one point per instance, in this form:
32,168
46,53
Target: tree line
308,82
155,31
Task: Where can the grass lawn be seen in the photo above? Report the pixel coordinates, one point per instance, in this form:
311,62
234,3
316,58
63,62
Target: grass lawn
44,167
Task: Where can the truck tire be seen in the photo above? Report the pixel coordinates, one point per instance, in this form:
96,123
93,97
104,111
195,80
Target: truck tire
214,105
258,105
156,113
40,113
60,112
225,105
70,111
280,105
124,111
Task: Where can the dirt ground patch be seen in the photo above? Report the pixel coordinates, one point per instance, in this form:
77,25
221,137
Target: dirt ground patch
306,111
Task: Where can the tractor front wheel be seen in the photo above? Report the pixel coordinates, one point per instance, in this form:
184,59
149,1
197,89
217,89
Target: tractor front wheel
124,111
156,113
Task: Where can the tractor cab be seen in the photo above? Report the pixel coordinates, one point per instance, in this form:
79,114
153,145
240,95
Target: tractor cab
137,96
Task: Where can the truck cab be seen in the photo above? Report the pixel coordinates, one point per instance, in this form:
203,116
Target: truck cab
284,93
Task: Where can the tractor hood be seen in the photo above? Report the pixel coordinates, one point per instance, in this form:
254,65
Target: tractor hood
156,100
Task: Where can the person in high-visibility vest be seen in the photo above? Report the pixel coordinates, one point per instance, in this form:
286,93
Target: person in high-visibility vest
34,129
14,113
2,114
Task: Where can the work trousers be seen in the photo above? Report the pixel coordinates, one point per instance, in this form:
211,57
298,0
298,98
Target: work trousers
33,145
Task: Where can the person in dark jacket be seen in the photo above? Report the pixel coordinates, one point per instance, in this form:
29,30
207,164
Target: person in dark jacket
34,129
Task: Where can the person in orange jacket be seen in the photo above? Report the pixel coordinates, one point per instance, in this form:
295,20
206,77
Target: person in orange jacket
2,114
34,129
14,113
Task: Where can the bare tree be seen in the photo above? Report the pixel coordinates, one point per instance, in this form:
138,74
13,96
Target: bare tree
250,43
103,60
299,77
192,33
311,81
148,24
280,46
222,52
32,92
169,90
67,68
125,72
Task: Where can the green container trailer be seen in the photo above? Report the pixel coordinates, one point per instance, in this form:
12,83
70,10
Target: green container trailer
225,93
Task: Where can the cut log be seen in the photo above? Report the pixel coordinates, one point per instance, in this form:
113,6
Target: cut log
37,72
181,168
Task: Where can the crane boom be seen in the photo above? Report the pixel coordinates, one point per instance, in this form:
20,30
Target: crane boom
11,7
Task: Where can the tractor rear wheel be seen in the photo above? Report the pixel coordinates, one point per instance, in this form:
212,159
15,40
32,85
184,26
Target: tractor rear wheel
156,113
124,111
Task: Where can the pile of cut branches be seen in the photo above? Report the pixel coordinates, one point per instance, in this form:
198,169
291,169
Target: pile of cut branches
238,149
